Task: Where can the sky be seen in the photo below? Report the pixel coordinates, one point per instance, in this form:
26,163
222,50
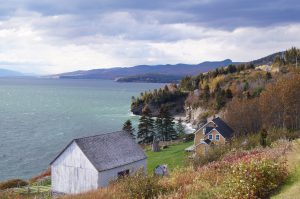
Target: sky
54,36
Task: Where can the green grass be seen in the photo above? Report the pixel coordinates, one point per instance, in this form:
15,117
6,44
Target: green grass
173,156
33,189
291,188
28,192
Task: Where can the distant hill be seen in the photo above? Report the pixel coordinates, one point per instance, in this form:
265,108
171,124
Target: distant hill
158,73
153,78
178,70
266,60
10,73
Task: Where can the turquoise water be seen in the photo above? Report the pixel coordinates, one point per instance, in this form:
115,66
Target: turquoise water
38,117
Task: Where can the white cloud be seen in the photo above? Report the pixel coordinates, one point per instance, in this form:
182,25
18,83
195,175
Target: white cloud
61,43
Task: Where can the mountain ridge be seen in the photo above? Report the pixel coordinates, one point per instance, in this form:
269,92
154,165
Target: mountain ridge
163,69
167,71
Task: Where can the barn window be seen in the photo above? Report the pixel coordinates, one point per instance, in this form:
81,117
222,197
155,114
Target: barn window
210,137
123,173
217,137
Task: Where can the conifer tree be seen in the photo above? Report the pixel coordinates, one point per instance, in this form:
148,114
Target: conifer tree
268,75
127,127
263,137
159,127
206,93
146,132
228,93
168,124
180,127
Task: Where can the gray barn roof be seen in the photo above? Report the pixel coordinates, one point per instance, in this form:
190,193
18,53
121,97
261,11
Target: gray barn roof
111,150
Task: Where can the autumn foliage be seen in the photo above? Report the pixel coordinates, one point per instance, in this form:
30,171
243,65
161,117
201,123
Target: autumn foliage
277,106
280,103
255,174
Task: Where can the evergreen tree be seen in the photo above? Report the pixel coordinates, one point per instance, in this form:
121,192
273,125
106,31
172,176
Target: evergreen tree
231,68
246,86
218,88
263,137
206,93
228,93
166,88
142,133
268,75
219,101
180,127
168,124
220,98
146,132
159,127
127,127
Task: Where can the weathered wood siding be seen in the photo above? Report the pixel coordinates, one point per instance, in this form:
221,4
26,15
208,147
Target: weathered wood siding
198,136
106,176
214,133
73,173
202,149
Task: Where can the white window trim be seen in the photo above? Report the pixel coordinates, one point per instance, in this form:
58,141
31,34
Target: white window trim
218,137
212,137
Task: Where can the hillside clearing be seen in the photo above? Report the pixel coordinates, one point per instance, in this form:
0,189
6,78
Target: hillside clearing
291,189
173,156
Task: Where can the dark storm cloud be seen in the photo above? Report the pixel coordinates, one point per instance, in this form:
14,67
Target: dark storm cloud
35,34
152,20
239,13
225,13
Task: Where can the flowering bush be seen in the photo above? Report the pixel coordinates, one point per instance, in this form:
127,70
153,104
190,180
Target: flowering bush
255,178
12,184
238,174
140,186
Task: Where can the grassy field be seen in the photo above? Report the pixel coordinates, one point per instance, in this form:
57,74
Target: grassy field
291,189
33,189
173,156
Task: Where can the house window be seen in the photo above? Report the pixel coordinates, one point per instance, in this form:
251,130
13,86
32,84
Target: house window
217,137
210,137
123,173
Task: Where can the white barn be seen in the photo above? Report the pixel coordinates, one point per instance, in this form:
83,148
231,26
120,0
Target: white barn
92,162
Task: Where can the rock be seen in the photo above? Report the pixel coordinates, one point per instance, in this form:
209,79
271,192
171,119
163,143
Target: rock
161,170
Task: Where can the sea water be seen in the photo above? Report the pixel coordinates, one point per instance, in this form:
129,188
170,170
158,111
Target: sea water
39,117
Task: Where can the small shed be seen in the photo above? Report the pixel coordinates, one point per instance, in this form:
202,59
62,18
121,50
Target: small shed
91,162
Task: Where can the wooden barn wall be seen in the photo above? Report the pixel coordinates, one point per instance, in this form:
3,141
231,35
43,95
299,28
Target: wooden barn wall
106,176
73,173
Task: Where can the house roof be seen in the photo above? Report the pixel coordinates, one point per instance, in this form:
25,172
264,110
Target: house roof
207,141
108,151
208,129
223,128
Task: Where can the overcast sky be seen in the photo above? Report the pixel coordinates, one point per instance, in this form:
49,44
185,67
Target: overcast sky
53,36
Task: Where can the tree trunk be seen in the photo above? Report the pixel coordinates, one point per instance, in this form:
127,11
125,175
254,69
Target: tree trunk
155,145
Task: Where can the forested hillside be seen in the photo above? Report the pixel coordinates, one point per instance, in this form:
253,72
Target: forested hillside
236,92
